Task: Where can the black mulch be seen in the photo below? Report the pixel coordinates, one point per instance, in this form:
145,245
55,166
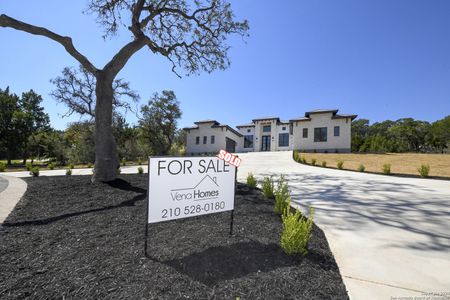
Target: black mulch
69,239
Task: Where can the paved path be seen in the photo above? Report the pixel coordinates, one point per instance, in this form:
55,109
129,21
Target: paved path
62,172
390,235
11,191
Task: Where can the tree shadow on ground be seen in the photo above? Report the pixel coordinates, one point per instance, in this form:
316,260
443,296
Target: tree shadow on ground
117,183
222,263
358,203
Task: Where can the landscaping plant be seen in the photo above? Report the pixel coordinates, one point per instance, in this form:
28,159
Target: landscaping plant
296,231
251,181
69,172
124,162
424,170
89,165
386,169
361,168
29,166
282,196
313,161
141,170
324,164
71,166
340,164
296,156
34,172
267,187
51,166
2,166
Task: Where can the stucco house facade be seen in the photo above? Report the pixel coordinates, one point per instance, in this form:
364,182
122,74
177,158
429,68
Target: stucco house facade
322,130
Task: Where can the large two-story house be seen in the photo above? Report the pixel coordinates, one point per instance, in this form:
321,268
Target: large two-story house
322,130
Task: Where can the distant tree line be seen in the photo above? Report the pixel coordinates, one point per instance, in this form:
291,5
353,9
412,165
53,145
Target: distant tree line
25,131
403,135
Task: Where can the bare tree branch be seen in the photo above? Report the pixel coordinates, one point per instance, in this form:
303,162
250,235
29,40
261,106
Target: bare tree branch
76,89
65,41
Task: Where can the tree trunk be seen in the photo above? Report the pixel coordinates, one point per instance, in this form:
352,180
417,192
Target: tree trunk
106,161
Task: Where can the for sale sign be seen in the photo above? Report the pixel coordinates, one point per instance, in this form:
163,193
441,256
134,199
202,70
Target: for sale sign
181,187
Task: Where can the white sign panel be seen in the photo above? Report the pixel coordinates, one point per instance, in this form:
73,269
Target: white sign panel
181,187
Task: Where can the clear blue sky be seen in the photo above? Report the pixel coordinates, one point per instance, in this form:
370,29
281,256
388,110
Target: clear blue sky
380,59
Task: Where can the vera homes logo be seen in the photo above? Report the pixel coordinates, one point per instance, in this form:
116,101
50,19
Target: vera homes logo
206,189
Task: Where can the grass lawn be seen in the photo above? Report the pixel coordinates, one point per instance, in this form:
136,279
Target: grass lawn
401,163
16,165
70,239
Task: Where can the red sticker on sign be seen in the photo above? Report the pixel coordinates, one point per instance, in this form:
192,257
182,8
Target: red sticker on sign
229,158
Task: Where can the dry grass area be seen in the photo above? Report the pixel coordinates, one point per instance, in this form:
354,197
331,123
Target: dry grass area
401,163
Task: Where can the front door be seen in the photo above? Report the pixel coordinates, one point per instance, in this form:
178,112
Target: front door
265,143
230,145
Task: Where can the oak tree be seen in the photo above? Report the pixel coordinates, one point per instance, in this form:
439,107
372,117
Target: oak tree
192,35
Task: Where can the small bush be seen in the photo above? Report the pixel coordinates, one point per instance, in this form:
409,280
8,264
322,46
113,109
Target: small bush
124,162
267,187
313,161
296,231
140,170
282,197
89,165
71,166
69,172
340,164
2,166
386,169
424,170
51,166
29,166
361,168
251,181
34,172
324,164
296,156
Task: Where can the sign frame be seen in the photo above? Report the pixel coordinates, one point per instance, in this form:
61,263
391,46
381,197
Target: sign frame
173,220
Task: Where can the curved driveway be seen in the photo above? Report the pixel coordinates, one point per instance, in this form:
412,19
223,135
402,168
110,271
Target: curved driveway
390,235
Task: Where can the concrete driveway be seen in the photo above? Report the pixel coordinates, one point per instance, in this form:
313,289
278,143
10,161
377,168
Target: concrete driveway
390,235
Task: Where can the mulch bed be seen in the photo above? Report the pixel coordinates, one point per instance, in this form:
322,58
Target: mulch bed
70,239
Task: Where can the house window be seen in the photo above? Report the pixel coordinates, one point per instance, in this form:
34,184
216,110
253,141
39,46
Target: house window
248,141
320,134
213,139
248,130
267,128
283,128
205,140
197,140
305,133
336,130
283,140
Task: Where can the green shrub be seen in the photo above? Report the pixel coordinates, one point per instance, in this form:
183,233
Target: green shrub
51,166
140,170
267,187
296,231
340,164
424,170
124,162
251,181
296,155
282,196
386,169
34,172
69,172
29,166
2,166
361,168
324,164
89,165
304,160
313,161
71,166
